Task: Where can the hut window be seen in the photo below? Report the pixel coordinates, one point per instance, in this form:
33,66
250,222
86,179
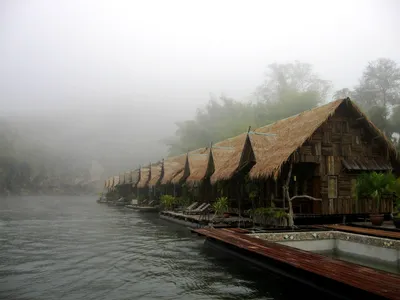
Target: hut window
332,187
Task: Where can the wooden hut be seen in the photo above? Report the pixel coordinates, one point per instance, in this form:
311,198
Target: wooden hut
201,167
110,183
319,153
231,161
156,171
128,178
121,179
135,177
142,186
115,182
173,166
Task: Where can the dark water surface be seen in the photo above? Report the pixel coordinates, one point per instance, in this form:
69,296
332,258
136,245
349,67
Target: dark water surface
73,248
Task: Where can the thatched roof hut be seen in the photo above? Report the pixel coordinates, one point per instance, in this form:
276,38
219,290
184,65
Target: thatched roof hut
135,177
173,166
156,173
144,177
128,177
121,178
275,143
183,174
116,181
230,156
200,165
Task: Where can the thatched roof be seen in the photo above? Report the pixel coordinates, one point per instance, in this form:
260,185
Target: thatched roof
121,178
128,177
183,174
273,144
144,177
116,181
135,177
172,167
228,157
156,172
198,165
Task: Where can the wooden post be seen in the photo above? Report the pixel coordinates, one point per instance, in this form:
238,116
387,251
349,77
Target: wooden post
286,195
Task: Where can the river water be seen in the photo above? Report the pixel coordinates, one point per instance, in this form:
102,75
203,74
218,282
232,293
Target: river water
73,248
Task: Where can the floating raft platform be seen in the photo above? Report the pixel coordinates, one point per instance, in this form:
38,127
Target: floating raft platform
382,233
342,279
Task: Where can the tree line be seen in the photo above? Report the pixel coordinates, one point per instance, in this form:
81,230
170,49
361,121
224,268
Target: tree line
289,89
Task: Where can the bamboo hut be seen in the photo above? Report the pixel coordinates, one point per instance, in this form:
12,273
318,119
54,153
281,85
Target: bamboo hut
128,178
173,166
115,182
143,184
110,183
318,154
231,161
135,177
201,166
156,171
121,179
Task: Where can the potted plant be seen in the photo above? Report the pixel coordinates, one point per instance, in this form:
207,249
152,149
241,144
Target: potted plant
220,207
374,185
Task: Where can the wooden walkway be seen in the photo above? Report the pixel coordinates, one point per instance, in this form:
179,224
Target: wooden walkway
368,231
377,282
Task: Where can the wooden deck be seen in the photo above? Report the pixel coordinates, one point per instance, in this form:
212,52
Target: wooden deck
379,283
367,231
208,217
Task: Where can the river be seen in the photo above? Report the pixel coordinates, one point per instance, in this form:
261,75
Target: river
55,247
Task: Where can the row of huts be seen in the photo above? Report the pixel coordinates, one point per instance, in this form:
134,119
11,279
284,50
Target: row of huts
317,153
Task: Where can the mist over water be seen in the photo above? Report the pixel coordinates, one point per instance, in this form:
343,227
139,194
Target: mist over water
74,248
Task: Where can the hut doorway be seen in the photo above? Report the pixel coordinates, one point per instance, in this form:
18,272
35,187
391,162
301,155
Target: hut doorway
316,193
303,182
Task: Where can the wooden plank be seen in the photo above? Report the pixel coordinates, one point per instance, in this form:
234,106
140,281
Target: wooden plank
373,281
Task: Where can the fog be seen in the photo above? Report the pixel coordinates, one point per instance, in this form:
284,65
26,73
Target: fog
103,82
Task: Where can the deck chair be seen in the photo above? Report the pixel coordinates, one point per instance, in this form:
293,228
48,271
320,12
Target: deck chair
190,207
151,203
199,209
204,208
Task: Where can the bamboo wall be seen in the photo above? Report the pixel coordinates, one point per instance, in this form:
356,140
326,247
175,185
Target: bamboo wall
343,136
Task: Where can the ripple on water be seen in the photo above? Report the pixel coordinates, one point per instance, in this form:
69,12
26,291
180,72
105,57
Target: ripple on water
73,248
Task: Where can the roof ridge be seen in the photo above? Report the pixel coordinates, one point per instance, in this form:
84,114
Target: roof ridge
300,113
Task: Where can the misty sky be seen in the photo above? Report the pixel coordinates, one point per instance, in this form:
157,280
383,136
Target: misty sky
151,63
83,53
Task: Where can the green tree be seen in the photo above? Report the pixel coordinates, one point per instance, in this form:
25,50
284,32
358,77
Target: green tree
219,119
379,84
295,77
378,94
288,89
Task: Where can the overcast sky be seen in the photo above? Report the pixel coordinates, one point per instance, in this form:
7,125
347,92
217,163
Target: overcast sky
124,71
57,54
